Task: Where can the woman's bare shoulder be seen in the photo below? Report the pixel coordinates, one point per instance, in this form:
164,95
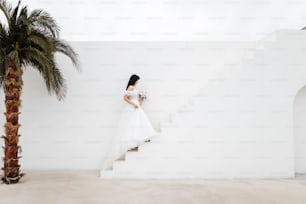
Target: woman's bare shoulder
130,88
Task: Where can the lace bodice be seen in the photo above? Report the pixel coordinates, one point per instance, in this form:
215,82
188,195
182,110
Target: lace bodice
133,95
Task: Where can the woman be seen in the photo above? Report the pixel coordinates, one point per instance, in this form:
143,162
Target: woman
133,127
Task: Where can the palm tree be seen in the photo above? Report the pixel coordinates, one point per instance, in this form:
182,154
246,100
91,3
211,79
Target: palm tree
27,39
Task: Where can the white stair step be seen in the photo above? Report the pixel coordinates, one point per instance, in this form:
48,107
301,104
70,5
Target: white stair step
177,149
165,164
271,37
151,153
170,134
166,124
192,165
182,118
187,131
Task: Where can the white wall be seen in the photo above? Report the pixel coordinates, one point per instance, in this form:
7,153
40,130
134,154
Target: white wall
241,127
299,119
171,20
73,134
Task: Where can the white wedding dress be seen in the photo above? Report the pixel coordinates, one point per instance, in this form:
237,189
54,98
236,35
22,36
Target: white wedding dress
133,129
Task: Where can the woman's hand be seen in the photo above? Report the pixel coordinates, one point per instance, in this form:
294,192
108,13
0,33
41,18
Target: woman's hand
140,101
135,106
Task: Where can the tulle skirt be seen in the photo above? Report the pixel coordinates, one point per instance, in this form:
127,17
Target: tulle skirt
132,130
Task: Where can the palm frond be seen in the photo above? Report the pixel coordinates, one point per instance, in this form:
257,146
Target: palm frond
13,17
22,17
32,38
6,9
39,59
48,69
43,21
40,41
58,83
63,47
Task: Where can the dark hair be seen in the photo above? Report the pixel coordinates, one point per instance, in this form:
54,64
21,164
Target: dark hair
132,80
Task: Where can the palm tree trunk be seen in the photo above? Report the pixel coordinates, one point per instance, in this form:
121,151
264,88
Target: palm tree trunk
13,87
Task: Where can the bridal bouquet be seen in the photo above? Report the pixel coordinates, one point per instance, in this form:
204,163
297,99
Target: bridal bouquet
142,95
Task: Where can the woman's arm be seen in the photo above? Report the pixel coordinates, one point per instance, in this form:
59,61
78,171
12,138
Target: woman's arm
126,98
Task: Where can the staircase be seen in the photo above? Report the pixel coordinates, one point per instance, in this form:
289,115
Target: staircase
203,139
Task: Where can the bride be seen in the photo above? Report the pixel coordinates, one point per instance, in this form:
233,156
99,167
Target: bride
133,127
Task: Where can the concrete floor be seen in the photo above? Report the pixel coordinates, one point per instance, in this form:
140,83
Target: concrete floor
84,187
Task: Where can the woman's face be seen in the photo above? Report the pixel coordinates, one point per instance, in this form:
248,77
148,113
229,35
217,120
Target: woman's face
136,82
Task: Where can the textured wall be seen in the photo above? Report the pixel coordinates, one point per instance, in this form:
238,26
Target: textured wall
172,20
73,133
